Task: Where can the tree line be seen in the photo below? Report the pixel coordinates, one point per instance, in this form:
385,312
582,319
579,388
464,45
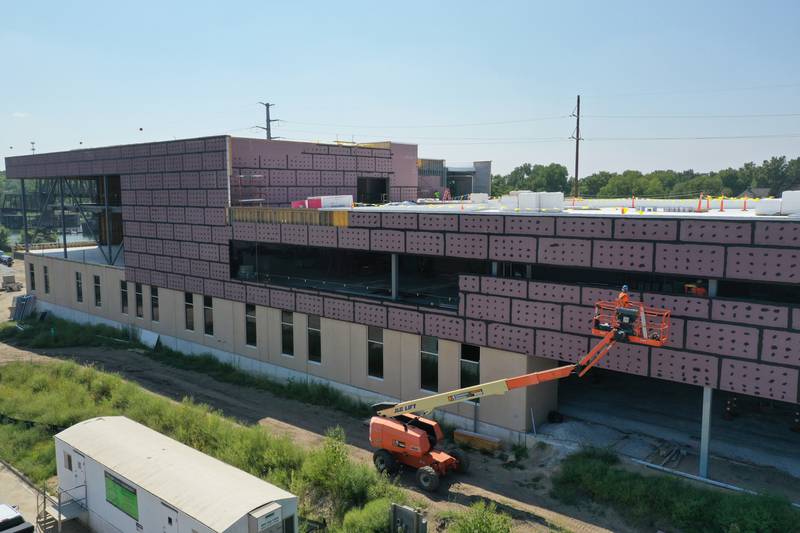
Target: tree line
774,175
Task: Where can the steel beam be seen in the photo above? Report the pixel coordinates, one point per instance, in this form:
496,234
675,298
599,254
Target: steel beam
395,275
108,218
24,217
705,431
63,216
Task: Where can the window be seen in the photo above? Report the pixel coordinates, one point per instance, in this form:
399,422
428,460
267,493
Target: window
46,279
314,339
250,329
98,301
374,352
470,366
154,304
68,461
287,333
32,276
78,287
429,364
137,287
123,296
122,496
188,310
208,315
288,524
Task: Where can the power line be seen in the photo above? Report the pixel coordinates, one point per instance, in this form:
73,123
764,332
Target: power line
455,125
697,138
751,115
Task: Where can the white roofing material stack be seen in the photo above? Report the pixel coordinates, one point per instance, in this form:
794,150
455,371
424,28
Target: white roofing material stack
790,203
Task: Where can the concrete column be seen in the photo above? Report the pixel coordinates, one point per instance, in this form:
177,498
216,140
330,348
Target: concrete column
528,271
705,432
494,268
395,275
108,220
712,288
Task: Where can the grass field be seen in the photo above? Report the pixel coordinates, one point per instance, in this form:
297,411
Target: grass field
329,483
658,501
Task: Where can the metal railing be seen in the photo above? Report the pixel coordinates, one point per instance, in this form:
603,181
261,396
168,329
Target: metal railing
286,215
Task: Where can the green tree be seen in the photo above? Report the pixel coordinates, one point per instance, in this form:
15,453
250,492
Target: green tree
481,518
5,238
590,185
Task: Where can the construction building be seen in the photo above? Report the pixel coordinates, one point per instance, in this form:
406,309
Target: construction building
401,300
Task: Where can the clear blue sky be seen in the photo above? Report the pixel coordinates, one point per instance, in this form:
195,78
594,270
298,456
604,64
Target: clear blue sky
96,72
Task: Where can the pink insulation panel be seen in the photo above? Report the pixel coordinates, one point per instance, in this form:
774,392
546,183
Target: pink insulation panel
722,339
624,357
268,232
578,319
782,347
511,338
309,304
621,255
281,299
583,227
764,264
475,332
570,252
554,292
438,222
677,328
750,313
561,346
424,243
778,233
388,240
766,381
690,259
685,367
365,220
405,320
481,224
294,234
716,231
258,295
338,309
536,314
235,292
483,307
513,249
370,314
646,230
324,236
354,238
530,225
214,288
469,283
444,327
516,288
468,245
685,306
400,220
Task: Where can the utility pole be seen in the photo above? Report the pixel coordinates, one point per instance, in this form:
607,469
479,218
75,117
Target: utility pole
267,127
577,137
33,147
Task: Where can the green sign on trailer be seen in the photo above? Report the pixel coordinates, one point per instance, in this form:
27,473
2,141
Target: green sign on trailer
122,496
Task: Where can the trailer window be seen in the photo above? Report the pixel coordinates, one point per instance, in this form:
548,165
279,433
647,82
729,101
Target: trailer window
122,496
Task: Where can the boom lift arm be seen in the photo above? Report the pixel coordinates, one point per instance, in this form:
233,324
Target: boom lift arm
501,386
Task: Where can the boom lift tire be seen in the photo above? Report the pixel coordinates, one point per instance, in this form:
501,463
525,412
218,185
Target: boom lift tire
385,462
462,460
428,479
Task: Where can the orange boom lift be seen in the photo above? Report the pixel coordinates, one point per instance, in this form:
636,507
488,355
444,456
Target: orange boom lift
402,437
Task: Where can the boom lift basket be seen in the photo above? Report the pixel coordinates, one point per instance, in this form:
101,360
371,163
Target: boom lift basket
634,322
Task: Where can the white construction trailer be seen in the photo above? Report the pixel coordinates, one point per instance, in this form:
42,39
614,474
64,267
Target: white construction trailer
128,478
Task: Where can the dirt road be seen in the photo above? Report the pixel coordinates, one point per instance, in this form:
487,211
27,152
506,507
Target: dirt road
520,490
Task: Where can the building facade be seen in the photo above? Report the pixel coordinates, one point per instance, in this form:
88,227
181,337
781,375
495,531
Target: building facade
398,303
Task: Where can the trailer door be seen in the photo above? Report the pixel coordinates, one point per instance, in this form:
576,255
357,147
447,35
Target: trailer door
169,519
